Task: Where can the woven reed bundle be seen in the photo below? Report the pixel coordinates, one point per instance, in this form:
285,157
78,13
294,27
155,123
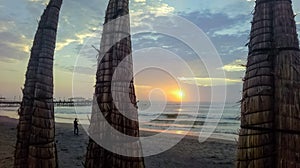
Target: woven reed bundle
114,92
270,124
35,145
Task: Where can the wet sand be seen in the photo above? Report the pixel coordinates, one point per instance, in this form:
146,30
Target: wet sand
188,153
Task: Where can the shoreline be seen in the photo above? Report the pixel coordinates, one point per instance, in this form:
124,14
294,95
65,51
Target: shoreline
212,153
61,119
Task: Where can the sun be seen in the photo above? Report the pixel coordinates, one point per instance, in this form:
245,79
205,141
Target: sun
179,94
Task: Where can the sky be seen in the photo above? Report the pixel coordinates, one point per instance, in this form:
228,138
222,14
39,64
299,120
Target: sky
167,64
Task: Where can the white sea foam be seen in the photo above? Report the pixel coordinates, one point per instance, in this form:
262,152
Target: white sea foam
169,121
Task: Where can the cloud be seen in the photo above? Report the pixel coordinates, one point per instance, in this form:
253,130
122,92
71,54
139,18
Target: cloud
19,46
83,70
139,1
64,43
209,81
76,70
14,46
145,12
83,36
39,1
228,34
236,66
6,25
237,49
230,8
239,29
142,86
79,40
161,9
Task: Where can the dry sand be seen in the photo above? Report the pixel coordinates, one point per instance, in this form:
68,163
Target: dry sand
189,153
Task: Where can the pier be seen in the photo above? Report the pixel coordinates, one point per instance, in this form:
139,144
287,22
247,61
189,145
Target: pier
56,103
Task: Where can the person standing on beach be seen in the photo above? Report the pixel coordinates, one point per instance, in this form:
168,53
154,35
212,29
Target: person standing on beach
75,127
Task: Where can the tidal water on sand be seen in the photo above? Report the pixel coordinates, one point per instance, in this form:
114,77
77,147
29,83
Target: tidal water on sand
175,118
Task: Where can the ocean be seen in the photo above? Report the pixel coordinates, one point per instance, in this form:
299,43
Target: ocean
174,118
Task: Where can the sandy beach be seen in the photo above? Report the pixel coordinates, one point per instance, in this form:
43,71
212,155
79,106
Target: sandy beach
189,153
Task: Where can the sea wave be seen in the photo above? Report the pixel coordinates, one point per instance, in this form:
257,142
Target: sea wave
174,117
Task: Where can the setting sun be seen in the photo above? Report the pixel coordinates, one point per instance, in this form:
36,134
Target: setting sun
179,94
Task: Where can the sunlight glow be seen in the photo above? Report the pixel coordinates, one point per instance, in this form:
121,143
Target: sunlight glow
179,132
179,94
